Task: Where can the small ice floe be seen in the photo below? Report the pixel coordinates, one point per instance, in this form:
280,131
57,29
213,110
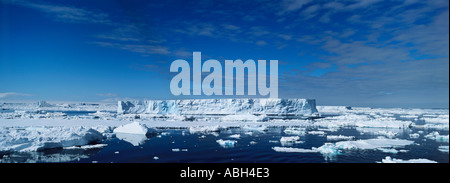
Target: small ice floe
235,136
253,142
176,150
295,131
320,133
388,159
290,140
339,137
328,149
443,148
156,158
184,150
438,138
226,143
295,150
85,147
117,152
368,144
134,133
273,141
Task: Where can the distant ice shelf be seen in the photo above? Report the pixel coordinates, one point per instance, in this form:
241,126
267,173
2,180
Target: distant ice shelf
254,107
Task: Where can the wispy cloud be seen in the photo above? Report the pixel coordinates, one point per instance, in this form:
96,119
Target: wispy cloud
13,94
67,13
137,48
292,5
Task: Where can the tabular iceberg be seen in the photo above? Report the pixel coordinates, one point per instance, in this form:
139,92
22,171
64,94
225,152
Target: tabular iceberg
267,106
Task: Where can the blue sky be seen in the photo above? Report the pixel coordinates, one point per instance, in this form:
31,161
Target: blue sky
346,52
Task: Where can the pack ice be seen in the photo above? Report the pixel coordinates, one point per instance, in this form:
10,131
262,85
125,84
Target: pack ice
39,138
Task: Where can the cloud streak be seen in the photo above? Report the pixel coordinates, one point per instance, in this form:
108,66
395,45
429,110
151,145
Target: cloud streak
13,94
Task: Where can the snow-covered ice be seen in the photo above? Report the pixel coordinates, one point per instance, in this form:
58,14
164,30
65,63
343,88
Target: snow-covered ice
40,138
295,131
339,137
39,126
290,139
226,143
133,128
388,159
292,149
443,148
267,106
435,136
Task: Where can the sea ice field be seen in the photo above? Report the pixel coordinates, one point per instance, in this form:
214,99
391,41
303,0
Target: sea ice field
220,131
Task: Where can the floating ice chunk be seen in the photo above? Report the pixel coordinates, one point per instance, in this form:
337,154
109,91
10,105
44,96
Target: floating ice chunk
226,143
372,144
85,147
133,139
334,149
235,136
156,158
438,138
133,128
339,137
443,149
290,139
414,136
388,159
176,150
320,133
253,142
295,131
296,150
328,151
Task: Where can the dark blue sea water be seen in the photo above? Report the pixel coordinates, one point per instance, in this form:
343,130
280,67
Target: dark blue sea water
181,146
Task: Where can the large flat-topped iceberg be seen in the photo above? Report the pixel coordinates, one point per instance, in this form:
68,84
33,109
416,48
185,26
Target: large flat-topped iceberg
267,106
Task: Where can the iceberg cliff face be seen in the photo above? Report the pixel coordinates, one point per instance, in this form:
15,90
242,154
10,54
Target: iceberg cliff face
269,106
